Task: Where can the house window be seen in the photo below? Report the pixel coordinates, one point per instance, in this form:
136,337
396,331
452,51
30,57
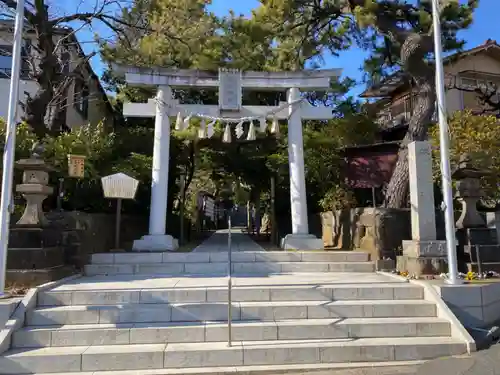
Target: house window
470,99
6,60
66,60
81,98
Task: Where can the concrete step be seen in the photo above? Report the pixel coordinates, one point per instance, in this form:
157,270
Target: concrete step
217,311
241,353
221,268
311,292
238,256
303,329
366,368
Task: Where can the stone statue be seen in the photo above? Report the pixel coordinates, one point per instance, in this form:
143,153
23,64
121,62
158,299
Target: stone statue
37,150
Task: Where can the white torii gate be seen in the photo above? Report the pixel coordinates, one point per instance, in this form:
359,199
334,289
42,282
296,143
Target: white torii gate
230,88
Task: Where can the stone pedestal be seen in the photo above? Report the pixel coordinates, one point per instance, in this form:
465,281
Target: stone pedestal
158,243
34,255
301,242
424,249
423,257
483,239
422,266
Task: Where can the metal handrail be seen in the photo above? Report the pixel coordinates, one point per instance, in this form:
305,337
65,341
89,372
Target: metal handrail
479,263
229,283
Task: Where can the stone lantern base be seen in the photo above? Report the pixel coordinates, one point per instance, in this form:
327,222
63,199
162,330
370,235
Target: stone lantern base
35,256
482,240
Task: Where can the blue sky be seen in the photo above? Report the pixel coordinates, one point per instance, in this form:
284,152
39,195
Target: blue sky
485,26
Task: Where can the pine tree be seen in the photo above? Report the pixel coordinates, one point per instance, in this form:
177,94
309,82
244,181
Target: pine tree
398,34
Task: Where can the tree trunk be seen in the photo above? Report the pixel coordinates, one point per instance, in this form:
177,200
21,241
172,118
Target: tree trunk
47,72
413,52
36,108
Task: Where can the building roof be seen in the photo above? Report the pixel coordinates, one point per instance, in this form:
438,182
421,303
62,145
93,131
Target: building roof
396,81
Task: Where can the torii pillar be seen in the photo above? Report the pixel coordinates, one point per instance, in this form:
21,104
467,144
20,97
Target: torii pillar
299,239
157,239
164,106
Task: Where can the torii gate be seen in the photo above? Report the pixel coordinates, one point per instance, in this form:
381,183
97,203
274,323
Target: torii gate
230,87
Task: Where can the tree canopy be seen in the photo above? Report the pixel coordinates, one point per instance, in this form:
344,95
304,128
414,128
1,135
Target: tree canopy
279,35
195,38
398,36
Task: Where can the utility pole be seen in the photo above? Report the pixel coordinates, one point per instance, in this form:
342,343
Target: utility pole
10,145
444,147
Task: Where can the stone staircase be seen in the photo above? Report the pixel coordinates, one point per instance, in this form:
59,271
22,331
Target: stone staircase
300,310
216,263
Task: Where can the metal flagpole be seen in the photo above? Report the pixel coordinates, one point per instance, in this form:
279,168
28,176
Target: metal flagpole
444,150
10,144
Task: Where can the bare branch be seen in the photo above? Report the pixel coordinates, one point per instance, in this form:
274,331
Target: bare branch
27,13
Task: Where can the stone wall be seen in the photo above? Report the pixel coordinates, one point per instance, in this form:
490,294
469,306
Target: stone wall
475,305
7,307
379,231
82,234
66,245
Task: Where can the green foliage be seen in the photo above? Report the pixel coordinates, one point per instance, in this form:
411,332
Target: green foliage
93,142
478,136
136,165
25,139
323,147
183,34
394,17
338,197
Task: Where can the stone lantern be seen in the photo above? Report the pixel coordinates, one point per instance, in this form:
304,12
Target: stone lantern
474,237
469,193
35,255
35,190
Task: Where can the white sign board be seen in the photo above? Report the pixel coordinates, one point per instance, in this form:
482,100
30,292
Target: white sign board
119,186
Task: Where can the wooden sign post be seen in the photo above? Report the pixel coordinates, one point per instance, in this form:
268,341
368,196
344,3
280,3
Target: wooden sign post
76,166
119,186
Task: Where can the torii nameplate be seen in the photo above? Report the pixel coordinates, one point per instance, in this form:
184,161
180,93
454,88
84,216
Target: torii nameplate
230,91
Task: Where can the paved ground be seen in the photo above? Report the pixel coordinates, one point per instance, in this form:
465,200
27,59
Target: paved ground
485,362
218,242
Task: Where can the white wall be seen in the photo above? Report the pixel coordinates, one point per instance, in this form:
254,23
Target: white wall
24,86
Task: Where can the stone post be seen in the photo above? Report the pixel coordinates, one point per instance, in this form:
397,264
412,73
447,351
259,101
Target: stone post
423,254
299,239
158,240
423,216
